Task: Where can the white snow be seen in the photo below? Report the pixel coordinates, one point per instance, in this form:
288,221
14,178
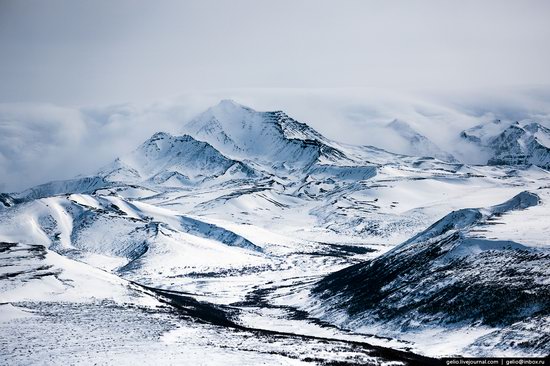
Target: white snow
249,211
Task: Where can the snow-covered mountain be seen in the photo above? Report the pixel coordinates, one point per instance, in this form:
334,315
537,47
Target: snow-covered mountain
271,139
483,133
161,161
512,144
123,233
528,144
6,200
174,160
241,218
461,273
418,144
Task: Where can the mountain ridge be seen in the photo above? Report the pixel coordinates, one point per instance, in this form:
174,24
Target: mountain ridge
512,143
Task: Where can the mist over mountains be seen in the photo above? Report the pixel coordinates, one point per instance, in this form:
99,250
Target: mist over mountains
42,142
282,183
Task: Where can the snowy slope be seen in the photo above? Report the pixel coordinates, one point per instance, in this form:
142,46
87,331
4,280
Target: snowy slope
160,163
482,134
30,272
77,185
58,311
454,276
116,234
512,144
271,139
174,160
517,145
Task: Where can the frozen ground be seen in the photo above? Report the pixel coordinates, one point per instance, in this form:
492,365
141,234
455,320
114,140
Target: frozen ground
106,333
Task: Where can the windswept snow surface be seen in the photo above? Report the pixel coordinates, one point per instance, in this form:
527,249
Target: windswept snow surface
252,239
458,279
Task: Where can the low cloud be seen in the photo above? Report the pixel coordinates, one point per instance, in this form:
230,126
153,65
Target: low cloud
39,142
43,142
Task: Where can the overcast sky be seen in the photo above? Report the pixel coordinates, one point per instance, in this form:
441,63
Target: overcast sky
82,82
106,51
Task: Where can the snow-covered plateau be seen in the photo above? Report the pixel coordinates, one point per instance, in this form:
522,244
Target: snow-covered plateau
253,239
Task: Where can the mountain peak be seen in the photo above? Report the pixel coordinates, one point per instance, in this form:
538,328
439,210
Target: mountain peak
520,145
229,105
160,136
397,123
229,102
241,132
170,160
535,127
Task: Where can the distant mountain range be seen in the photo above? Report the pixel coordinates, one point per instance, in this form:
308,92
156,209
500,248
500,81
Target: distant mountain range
512,144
